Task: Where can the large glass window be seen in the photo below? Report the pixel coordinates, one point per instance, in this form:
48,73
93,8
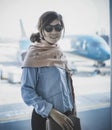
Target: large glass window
91,74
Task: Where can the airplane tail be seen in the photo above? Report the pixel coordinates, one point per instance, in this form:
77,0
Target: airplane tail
24,43
23,33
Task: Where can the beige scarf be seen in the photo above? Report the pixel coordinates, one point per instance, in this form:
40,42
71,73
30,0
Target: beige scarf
41,54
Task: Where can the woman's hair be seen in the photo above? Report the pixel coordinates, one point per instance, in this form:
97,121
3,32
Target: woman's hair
44,20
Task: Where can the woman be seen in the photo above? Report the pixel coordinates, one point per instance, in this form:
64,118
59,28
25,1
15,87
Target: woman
45,81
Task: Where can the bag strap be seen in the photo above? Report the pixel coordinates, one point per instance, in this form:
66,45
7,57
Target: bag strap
72,92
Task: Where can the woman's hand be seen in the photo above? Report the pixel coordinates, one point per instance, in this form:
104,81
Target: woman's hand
62,120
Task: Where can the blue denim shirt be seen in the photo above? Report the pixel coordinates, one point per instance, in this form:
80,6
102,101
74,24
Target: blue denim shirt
45,88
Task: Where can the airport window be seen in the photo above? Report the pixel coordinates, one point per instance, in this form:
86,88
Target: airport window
91,69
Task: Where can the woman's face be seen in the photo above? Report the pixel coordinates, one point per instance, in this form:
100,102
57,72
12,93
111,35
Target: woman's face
52,32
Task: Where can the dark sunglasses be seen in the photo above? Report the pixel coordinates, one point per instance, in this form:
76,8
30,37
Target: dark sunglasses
57,27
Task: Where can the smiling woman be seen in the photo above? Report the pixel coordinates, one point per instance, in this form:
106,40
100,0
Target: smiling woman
46,78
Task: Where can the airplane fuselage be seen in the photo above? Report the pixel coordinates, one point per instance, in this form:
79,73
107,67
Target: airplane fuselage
92,47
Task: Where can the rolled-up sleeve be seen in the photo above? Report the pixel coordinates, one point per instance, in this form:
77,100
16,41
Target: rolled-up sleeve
29,82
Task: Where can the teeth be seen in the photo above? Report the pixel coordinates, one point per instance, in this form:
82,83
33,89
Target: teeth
54,37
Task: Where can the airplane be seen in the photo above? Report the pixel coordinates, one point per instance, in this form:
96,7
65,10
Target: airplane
92,47
88,46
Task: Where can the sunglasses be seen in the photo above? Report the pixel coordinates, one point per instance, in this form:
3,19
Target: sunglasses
57,27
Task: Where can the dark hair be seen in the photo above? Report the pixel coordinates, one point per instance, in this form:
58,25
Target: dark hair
44,20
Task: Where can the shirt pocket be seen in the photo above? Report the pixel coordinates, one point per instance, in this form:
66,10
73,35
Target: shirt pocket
49,83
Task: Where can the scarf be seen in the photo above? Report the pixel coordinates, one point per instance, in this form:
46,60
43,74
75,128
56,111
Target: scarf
40,55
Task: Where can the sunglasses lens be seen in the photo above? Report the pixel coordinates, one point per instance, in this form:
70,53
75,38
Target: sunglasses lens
58,27
48,28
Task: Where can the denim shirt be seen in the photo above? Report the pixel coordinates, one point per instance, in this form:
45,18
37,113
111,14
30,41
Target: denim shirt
45,88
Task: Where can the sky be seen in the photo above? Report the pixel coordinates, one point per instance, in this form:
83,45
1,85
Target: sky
80,16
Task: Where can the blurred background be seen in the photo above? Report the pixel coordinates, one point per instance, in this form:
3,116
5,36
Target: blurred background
86,45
